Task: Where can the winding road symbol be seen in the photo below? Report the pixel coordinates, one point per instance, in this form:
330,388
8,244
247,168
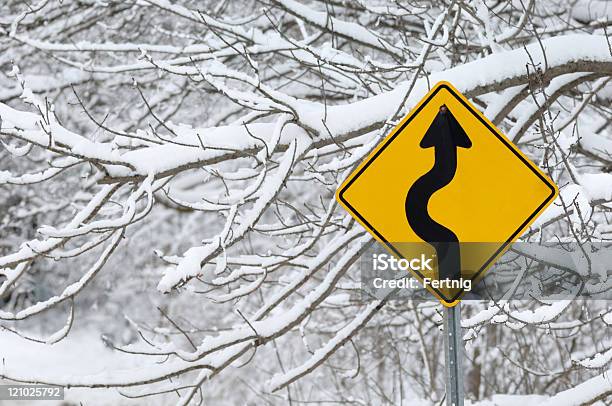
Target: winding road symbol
444,135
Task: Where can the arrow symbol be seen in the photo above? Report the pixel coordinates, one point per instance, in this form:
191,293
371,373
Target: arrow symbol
445,135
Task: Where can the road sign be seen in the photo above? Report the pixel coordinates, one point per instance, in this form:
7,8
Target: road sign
448,180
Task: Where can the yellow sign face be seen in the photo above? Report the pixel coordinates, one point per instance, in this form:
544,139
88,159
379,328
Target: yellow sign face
444,178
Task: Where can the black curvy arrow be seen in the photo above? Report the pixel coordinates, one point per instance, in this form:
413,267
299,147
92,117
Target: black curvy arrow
445,135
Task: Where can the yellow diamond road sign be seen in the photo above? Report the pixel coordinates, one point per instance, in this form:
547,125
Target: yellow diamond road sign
445,178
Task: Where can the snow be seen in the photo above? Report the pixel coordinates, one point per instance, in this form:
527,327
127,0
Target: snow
30,248
113,47
592,10
584,392
288,273
351,30
557,83
365,114
541,315
29,178
70,290
190,265
509,400
598,185
575,196
593,187
481,317
324,352
82,353
341,299
313,266
45,83
595,143
469,78
281,320
599,360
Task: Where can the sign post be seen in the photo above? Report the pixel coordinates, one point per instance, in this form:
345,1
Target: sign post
453,352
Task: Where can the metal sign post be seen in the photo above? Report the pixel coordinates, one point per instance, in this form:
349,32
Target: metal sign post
453,351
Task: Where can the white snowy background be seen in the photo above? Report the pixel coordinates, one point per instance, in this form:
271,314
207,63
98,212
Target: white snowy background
168,227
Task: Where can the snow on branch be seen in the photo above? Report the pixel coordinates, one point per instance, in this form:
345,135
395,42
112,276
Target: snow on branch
175,163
